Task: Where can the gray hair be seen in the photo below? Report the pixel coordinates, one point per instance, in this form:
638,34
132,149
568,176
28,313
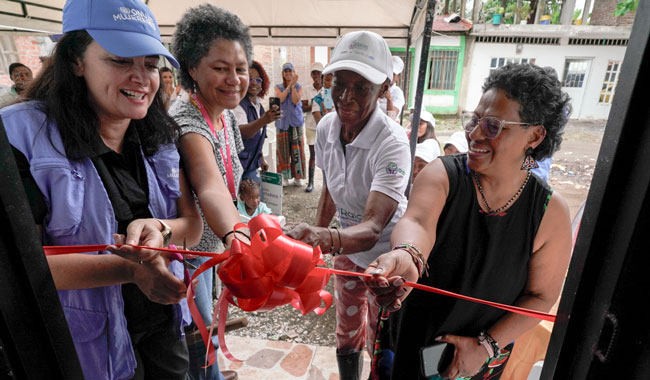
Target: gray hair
197,31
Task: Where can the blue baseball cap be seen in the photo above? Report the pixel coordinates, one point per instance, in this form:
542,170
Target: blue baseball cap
288,65
125,28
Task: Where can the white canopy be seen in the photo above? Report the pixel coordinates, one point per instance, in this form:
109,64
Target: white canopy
272,22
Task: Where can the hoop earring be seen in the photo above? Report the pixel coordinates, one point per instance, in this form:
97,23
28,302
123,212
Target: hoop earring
529,162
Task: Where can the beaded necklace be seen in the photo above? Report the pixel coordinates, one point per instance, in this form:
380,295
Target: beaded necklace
500,209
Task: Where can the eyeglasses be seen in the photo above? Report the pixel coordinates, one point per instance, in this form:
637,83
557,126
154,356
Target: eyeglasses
255,80
490,126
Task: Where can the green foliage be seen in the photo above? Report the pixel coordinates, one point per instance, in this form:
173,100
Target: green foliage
576,14
492,7
624,6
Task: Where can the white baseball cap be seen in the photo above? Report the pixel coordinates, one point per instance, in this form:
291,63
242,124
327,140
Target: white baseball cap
365,53
317,66
458,140
425,116
398,65
427,150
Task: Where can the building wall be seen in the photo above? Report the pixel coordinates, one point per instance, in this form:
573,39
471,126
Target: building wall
29,50
273,57
439,101
546,55
603,14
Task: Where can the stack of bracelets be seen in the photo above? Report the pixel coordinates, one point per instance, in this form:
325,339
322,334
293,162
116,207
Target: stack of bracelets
340,250
416,255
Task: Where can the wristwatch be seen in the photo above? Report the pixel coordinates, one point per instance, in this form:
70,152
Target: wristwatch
166,233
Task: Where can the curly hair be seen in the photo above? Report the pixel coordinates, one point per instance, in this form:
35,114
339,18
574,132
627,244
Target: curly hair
198,30
265,78
542,101
65,100
247,184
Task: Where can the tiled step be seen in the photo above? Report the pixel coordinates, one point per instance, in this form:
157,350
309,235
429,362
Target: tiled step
277,360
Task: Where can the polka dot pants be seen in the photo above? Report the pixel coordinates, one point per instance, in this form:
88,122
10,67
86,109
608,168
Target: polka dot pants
356,311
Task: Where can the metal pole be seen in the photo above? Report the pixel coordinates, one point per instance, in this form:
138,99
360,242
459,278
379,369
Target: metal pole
422,70
33,330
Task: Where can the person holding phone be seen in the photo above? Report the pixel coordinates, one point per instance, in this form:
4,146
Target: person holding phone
290,152
213,48
486,227
253,120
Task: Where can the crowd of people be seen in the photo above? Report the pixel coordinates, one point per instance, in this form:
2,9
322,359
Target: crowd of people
113,149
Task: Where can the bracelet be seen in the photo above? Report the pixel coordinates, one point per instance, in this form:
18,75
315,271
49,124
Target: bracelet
491,345
340,250
331,241
223,239
416,256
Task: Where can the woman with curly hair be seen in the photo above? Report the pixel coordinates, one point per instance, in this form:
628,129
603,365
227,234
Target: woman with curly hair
486,227
213,48
253,120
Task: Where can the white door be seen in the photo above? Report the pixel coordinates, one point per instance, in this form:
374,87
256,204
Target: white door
576,73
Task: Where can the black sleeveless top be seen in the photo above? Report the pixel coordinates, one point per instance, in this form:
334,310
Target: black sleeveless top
475,254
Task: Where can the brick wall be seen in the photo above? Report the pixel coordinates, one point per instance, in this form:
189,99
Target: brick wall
29,49
271,57
603,14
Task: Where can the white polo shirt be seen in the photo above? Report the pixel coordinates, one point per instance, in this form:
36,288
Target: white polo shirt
378,159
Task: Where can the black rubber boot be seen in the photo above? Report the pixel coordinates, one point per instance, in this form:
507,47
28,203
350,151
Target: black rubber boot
310,185
350,365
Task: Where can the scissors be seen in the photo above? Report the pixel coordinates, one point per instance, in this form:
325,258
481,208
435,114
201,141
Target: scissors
177,256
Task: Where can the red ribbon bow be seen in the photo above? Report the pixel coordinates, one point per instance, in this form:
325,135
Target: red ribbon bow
272,271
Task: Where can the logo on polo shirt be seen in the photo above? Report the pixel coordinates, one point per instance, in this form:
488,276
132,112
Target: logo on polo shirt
392,168
174,173
132,14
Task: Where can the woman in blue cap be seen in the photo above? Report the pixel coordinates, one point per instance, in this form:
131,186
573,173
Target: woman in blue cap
96,152
290,151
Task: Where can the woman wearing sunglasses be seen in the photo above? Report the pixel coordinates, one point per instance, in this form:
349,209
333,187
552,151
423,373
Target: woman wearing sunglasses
253,120
486,227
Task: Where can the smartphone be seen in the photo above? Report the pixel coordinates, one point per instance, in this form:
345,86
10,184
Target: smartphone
274,101
436,358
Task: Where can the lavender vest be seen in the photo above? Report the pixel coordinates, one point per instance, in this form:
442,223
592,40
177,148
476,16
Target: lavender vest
81,213
291,113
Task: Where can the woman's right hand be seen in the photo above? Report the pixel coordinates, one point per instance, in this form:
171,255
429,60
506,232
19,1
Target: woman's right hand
390,271
272,115
158,283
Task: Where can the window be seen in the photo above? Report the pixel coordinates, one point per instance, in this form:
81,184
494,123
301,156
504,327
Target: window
8,53
495,63
443,65
575,71
609,84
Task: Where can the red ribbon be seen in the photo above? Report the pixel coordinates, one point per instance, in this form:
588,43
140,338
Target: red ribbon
272,271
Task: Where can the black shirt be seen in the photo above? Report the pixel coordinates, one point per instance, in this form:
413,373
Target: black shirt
125,180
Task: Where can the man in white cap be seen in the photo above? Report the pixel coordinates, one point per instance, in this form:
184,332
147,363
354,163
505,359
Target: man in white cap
308,94
393,100
365,159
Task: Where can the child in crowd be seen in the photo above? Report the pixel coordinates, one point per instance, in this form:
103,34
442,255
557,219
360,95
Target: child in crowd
323,102
425,152
457,143
249,203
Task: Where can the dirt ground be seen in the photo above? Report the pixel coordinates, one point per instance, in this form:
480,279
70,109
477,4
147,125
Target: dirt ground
571,174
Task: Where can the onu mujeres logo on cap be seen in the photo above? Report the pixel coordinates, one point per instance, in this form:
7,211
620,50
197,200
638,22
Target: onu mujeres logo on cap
132,14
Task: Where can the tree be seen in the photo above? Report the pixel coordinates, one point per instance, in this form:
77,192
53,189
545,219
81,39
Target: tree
624,6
